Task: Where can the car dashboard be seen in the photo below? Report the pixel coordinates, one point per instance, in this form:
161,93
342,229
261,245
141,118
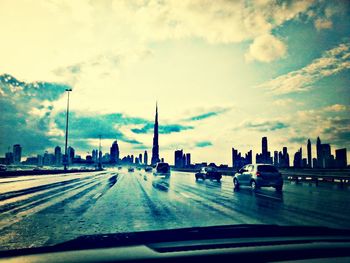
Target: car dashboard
274,248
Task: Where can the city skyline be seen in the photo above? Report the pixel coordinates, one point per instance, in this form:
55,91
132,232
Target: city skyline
324,156
224,74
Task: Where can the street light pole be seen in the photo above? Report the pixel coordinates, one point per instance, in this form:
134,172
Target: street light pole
65,162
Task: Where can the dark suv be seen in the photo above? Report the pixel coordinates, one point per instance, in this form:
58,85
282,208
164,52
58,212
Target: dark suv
208,173
162,169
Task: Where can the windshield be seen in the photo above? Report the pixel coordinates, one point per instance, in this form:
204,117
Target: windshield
95,94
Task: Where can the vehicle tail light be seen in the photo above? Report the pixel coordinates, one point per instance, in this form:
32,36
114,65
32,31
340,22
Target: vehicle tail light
258,174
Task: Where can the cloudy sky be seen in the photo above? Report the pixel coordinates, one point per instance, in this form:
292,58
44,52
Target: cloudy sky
224,73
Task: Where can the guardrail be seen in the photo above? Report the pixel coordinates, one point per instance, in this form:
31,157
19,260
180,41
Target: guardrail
316,176
42,172
341,177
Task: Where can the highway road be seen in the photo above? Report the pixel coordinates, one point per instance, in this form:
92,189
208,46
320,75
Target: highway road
49,209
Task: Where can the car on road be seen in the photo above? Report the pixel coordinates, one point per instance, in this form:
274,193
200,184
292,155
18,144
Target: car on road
148,169
162,169
258,175
131,169
208,173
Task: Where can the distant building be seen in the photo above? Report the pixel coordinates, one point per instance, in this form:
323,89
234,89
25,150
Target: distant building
309,154
31,161
58,155
188,159
48,159
89,159
318,153
283,158
40,160
265,156
9,158
275,158
341,158
155,148
94,154
114,153
145,158
304,163
238,160
298,157
106,158
140,158
17,153
178,158
71,154
327,158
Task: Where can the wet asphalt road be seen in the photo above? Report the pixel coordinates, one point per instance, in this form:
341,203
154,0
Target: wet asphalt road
46,210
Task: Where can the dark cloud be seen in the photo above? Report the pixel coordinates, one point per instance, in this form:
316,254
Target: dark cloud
17,124
266,126
163,129
299,140
203,144
338,133
26,92
90,127
207,115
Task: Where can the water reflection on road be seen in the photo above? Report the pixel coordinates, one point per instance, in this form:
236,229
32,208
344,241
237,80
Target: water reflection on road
46,210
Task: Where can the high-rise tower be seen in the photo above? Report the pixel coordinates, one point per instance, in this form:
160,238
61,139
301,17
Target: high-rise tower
319,153
155,148
309,157
114,152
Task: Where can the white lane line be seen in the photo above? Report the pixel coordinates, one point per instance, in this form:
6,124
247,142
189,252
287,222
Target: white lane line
268,196
96,196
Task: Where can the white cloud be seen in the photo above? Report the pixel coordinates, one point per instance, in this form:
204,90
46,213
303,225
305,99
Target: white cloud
336,108
332,62
323,24
287,102
266,48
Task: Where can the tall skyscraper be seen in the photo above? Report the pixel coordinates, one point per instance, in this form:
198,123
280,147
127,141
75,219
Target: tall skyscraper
17,153
71,154
275,158
94,155
155,148
283,158
188,159
309,155
265,156
298,158
58,155
341,158
145,158
319,153
114,152
238,160
264,146
178,161
140,158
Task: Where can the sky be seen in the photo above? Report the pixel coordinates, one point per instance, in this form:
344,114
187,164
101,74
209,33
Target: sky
224,74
